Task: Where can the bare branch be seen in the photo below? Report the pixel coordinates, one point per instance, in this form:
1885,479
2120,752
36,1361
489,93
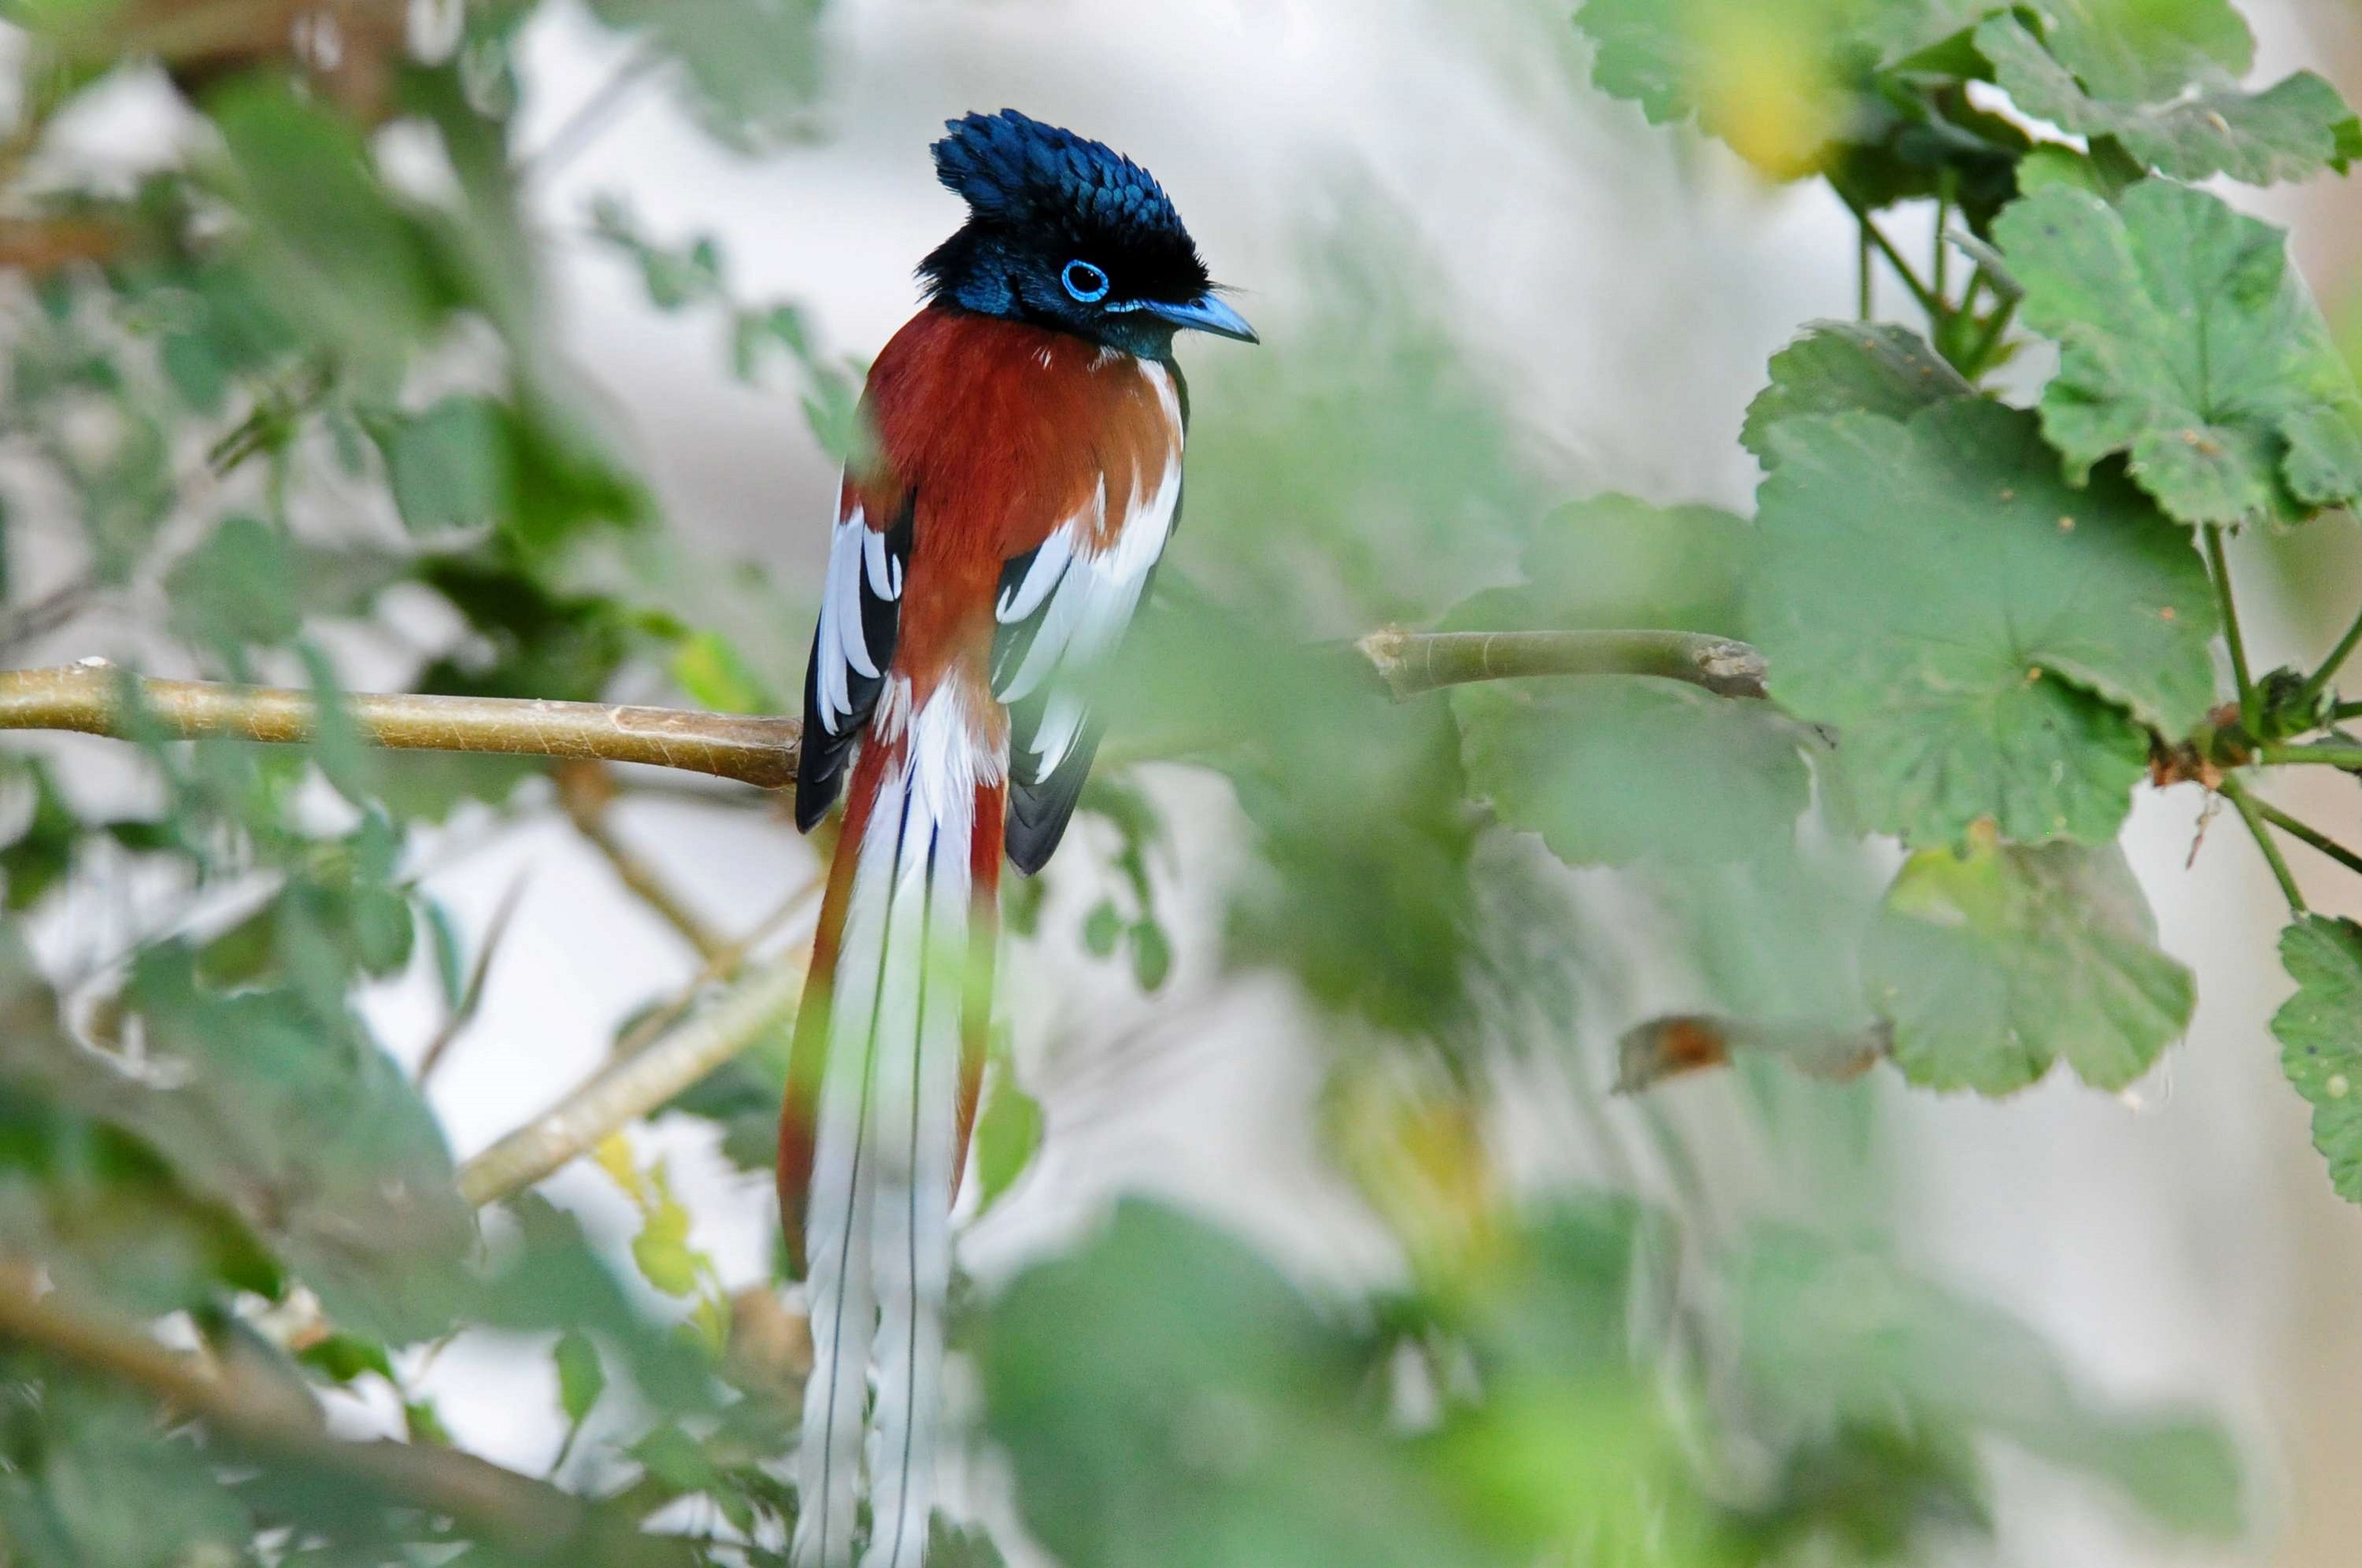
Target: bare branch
91,699
632,1086
724,966
1412,662
535,1522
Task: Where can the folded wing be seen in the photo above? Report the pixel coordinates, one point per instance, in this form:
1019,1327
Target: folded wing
1063,610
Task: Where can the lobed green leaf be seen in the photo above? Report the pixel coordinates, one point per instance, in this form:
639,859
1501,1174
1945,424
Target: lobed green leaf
2320,1032
2189,343
1991,965
2292,130
1838,367
1988,641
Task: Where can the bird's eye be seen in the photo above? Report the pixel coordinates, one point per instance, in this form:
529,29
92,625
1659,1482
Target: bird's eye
1086,282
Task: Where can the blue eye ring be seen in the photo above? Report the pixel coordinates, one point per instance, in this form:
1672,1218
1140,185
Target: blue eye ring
1088,284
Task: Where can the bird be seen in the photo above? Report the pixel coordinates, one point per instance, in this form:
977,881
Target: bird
1015,483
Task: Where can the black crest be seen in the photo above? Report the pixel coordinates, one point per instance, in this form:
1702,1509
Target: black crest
1043,196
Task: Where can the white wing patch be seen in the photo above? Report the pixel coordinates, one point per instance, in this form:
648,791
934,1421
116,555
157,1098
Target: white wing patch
1084,599
857,553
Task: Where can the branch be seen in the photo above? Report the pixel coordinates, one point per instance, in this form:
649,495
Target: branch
94,698
584,790
630,1088
519,1515
1411,663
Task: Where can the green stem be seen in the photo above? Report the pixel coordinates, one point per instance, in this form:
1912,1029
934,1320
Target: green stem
2318,755
2344,711
1862,308
2250,708
2308,834
1929,301
2236,793
1980,357
1976,286
2319,680
1943,256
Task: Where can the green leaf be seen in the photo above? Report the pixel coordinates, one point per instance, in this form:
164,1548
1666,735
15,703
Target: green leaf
661,1250
2051,164
1612,562
238,588
582,1377
1006,1135
87,1476
1168,1400
1833,1335
549,1276
1797,85
296,1123
1993,964
1987,641
2148,51
752,66
949,1546
451,466
100,1210
336,252
2189,343
344,1357
1102,928
717,678
1620,769
2289,131
2320,1032
1152,954
1838,367
40,857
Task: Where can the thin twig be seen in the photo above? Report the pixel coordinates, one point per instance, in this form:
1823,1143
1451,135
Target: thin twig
2308,833
585,790
2250,708
587,123
47,613
471,994
2318,681
517,1514
2237,794
1411,663
629,1088
1929,301
724,966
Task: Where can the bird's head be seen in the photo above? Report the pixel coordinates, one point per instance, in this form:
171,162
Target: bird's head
1069,233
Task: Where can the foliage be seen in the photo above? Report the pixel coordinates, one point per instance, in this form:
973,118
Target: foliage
283,388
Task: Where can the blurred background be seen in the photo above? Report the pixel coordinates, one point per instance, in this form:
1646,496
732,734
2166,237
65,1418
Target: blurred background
1484,289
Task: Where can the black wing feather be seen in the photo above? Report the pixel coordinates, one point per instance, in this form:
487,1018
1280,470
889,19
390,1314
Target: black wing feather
820,767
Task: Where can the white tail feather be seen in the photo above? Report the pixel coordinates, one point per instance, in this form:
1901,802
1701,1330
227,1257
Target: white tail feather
882,1184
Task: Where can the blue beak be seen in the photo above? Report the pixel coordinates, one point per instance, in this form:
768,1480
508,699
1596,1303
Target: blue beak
1207,314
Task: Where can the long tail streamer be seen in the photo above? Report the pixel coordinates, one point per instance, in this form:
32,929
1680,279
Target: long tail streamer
897,986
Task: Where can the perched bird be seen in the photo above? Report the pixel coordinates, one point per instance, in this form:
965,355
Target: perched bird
1021,475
